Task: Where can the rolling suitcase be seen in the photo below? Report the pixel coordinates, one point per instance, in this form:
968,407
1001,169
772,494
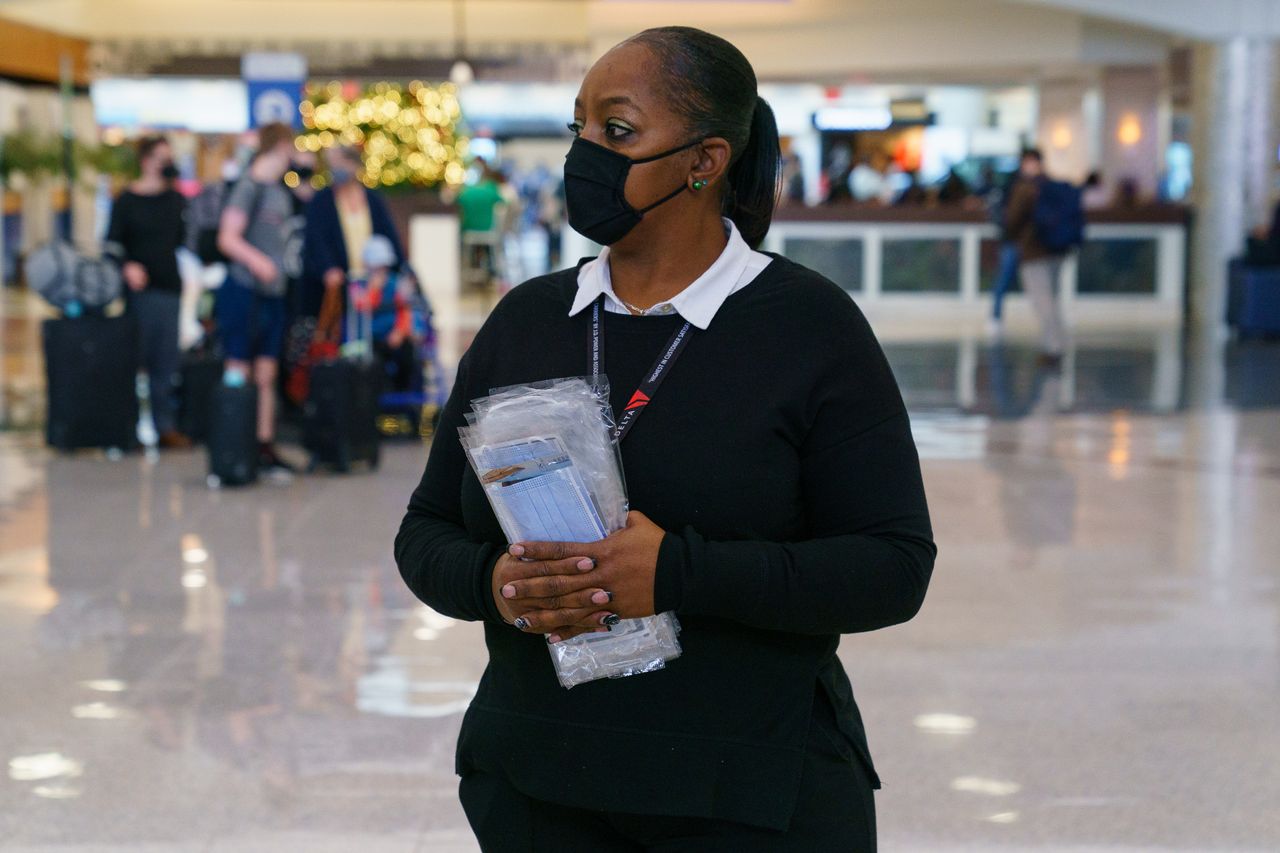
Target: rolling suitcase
201,374
91,366
233,435
1253,299
340,417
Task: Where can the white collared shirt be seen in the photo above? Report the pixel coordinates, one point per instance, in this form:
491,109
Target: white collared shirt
737,266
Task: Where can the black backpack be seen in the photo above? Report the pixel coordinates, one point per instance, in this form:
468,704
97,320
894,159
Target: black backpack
1059,216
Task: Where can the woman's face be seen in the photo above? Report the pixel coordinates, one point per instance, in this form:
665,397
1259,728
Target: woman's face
618,107
157,159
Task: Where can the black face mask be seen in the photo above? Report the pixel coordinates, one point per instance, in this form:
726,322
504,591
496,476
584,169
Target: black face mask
170,172
305,173
595,182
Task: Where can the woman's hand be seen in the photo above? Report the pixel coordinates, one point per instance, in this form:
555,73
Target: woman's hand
334,277
135,275
622,566
575,608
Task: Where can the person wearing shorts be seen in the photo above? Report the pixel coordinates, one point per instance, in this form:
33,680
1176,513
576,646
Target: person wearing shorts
250,308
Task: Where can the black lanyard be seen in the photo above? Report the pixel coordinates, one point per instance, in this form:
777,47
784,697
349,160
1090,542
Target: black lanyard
649,386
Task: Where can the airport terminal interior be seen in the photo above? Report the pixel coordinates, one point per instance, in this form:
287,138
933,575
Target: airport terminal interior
193,665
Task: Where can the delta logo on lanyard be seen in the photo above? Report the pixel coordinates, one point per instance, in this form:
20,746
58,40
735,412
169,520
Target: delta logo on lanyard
649,386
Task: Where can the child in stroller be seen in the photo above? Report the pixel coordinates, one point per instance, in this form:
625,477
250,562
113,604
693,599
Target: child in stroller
401,333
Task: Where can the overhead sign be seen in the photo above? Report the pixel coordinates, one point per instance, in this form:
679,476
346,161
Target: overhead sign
274,82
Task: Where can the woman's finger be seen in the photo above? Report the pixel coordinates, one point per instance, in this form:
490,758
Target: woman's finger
520,569
553,550
554,587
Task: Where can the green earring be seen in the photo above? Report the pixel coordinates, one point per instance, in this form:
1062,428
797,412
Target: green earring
697,185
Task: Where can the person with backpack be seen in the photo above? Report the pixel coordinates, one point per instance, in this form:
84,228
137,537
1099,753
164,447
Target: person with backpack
144,235
1045,219
250,308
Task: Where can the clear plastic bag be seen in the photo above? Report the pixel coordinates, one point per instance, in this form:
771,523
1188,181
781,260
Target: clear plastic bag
547,460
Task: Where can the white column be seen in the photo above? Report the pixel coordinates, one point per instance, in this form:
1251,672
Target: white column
1261,137
1223,92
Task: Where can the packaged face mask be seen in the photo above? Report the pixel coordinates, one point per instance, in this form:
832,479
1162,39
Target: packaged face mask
547,460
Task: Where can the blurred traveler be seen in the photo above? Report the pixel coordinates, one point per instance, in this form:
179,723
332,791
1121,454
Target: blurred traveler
146,230
340,220
398,321
866,182
792,180
478,202
839,169
779,434
1010,255
251,309
914,194
1045,218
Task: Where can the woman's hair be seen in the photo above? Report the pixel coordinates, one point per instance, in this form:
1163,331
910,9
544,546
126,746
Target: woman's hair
713,87
147,145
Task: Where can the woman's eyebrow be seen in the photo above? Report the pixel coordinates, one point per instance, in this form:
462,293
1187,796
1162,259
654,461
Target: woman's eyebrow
608,102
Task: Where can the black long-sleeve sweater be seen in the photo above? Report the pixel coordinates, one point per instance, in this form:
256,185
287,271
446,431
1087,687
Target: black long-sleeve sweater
149,229
778,456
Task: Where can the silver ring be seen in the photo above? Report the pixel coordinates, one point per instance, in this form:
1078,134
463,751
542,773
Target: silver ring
521,623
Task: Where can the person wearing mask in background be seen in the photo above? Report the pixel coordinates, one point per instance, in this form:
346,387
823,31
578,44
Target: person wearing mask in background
250,308
340,220
1040,266
776,460
147,227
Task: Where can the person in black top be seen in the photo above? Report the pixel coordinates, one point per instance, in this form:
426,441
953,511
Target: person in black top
777,494
146,229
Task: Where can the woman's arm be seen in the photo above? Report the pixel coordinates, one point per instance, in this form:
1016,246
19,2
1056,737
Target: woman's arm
439,562
867,566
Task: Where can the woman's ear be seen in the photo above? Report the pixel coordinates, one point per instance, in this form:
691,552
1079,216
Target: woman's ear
712,164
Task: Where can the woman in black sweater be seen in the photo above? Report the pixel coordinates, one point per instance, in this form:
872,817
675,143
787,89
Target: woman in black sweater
147,227
777,492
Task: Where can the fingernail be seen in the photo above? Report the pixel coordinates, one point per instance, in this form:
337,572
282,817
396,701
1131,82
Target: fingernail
553,639
586,564
521,623
516,550
611,620
509,591
601,596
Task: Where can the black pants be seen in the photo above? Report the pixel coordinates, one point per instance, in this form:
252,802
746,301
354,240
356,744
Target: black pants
157,313
835,813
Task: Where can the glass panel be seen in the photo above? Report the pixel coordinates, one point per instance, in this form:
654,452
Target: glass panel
921,266
1118,266
989,268
926,372
838,259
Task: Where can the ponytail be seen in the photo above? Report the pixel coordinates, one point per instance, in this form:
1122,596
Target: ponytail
753,178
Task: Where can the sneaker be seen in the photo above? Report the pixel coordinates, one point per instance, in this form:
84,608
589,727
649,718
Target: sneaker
270,463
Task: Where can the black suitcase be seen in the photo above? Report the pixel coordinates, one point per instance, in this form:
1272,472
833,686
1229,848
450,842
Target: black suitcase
91,367
233,435
340,426
201,374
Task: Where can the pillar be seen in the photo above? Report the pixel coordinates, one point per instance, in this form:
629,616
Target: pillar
1064,129
1235,158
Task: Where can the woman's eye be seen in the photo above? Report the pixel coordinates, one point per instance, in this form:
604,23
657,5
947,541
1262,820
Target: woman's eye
616,131
575,127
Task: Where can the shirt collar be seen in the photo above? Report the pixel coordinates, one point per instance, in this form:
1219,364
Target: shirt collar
697,303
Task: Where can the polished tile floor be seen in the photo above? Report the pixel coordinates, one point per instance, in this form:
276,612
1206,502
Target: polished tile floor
1097,666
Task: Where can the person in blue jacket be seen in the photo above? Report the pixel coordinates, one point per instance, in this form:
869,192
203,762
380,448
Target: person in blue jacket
340,220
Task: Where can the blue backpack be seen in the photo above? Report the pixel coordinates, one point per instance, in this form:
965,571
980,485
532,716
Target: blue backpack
1059,216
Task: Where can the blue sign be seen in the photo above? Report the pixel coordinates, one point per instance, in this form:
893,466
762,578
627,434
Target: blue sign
274,82
274,101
